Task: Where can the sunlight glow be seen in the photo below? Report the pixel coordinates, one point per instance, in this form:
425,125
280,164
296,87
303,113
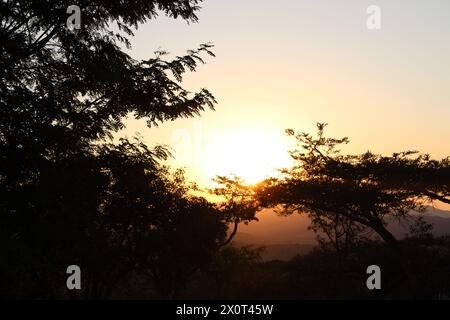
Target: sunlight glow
252,154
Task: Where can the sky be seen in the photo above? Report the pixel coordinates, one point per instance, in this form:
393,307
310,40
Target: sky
291,63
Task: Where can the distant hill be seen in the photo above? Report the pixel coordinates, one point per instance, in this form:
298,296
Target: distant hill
286,237
441,226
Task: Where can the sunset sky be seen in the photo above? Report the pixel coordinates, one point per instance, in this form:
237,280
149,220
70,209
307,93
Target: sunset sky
289,64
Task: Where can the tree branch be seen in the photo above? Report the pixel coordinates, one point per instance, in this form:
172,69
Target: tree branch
233,233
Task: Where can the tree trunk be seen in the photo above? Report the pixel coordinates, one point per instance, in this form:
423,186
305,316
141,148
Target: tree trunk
400,257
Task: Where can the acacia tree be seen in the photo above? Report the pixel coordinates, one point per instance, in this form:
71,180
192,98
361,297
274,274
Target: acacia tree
327,184
344,194
67,196
417,173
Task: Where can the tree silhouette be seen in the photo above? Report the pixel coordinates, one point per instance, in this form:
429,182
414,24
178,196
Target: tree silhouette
411,171
344,194
67,196
314,186
238,203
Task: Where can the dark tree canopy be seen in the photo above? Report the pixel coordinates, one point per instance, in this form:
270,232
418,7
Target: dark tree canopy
67,195
78,85
349,195
361,189
62,90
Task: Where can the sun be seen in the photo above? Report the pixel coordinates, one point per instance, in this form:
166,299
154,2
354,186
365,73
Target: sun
251,154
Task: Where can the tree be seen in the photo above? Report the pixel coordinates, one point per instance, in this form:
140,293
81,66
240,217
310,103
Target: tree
176,233
61,90
238,203
347,193
66,193
411,171
325,183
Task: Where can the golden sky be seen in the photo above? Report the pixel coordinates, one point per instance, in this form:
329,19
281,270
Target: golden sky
289,64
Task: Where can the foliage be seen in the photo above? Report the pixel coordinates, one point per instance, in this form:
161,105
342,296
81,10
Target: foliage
67,195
